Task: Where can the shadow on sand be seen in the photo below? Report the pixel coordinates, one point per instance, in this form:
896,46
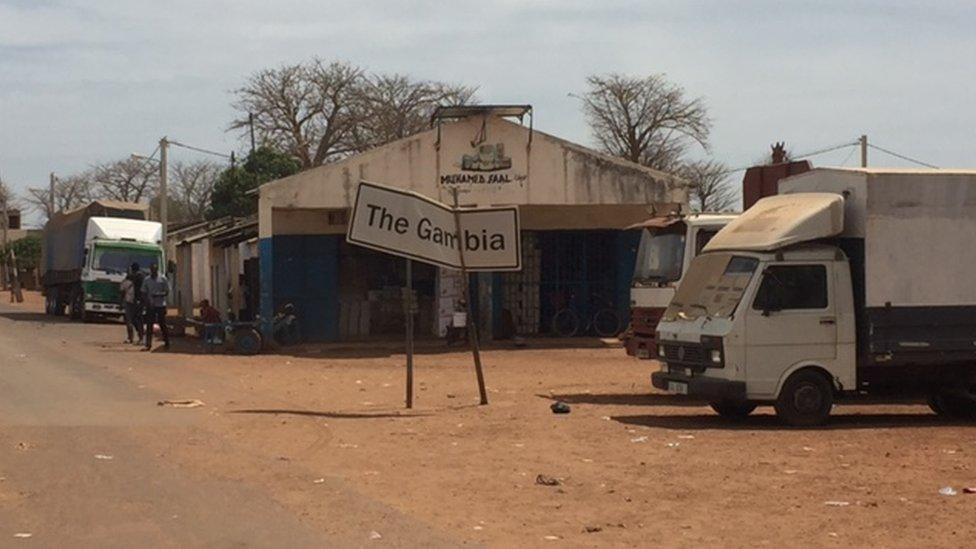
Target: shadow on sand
769,422
332,415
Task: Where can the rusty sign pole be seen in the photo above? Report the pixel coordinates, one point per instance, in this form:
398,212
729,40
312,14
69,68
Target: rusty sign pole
408,307
472,326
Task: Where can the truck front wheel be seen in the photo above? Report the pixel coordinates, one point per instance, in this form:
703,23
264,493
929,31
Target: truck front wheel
805,400
732,409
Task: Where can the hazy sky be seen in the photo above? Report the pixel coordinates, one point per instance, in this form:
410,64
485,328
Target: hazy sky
94,80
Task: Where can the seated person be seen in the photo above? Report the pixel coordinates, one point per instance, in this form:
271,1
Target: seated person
210,318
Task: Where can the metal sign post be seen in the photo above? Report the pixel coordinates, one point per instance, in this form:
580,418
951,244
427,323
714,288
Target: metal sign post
472,323
408,307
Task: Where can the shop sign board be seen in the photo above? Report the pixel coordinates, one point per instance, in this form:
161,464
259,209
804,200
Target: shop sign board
407,224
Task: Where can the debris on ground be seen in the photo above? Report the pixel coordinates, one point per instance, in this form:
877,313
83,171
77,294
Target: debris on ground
188,403
544,480
560,407
105,457
319,481
674,444
966,490
686,437
837,503
375,535
23,535
639,439
948,491
592,529
550,538
24,446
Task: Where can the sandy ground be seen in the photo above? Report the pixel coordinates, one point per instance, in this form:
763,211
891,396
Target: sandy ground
323,425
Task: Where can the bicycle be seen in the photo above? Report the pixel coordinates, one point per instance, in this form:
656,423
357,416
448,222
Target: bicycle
605,322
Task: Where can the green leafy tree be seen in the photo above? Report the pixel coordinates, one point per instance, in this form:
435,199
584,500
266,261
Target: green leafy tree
28,250
229,196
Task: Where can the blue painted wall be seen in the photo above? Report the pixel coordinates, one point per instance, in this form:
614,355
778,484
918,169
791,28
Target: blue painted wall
303,270
627,242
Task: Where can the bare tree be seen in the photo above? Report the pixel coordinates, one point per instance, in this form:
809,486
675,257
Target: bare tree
645,120
7,195
712,190
305,109
192,185
128,180
69,193
392,106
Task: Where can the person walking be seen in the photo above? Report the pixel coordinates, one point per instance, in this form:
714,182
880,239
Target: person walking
131,289
155,288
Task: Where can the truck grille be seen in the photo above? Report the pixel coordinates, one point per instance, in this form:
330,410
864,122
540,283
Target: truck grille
684,353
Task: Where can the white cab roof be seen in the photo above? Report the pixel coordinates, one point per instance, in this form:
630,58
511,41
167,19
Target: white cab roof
118,228
782,220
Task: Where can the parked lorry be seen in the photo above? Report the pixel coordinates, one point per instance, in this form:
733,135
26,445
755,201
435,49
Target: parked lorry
87,251
850,282
668,243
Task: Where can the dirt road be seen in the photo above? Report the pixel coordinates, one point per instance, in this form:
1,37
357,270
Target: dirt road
315,448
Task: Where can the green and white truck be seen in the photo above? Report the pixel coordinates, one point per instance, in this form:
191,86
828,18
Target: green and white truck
87,252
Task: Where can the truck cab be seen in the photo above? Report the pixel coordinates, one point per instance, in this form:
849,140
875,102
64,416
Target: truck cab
667,246
766,314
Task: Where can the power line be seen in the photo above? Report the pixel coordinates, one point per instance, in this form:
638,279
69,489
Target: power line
849,155
801,156
903,157
147,159
199,150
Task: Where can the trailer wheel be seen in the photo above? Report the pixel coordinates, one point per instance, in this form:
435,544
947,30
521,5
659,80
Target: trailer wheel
732,409
76,309
805,400
959,404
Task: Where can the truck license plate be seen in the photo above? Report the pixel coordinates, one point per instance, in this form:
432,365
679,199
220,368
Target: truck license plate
677,387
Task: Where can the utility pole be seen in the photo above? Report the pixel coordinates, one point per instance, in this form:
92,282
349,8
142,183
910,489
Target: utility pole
250,122
52,200
864,151
163,194
15,293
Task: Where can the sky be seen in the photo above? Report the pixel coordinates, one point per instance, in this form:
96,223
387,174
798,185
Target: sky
95,80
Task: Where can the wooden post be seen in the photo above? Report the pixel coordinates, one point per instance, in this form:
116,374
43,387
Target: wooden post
408,307
472,324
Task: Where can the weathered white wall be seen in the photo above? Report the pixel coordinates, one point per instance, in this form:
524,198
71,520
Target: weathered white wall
549,171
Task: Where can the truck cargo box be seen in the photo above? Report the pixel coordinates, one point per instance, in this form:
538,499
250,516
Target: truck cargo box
909,235
64,237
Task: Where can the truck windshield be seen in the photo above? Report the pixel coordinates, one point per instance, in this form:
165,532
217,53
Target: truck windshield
659,257
116,260
713,286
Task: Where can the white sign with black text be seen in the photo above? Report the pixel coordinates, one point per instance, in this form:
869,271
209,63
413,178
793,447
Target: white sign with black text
410,225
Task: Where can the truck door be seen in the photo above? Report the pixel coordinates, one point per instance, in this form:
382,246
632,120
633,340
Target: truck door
791,319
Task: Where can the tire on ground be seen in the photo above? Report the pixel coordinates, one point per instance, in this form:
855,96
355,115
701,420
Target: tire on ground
732,409
957,404
805,399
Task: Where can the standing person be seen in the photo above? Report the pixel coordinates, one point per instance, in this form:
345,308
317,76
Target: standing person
131,290
155,288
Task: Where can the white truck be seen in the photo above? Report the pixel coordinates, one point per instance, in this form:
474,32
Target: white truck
87,252
850,282
667,245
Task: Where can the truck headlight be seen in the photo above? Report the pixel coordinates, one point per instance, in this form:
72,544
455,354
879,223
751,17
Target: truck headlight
716,356
88,296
